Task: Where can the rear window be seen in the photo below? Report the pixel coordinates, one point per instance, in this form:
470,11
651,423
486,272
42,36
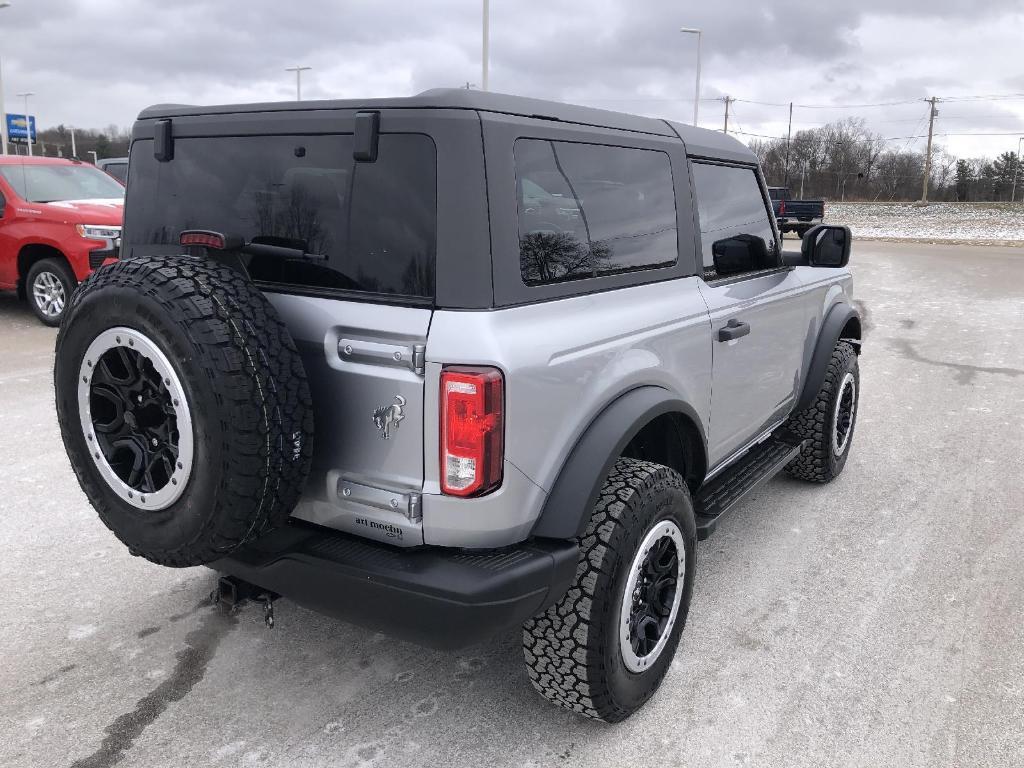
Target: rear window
587,210
371,226
118,170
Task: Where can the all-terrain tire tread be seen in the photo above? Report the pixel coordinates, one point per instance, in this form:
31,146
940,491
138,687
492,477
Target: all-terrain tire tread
565,647
254,367
814,422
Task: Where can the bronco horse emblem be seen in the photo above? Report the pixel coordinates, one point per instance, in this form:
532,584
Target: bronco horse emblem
388,416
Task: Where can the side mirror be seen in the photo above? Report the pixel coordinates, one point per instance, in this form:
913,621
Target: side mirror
742,253
827,245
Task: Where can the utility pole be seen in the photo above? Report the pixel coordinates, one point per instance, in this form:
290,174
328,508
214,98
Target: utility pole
696,94
298,79
28,122
485,53
3,112
932,112
728,100
789,133
74,150
1016,168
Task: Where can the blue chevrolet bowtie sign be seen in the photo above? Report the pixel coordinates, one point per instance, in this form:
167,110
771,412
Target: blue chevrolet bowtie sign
18,128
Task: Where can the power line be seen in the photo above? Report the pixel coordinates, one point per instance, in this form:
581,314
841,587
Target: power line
979,97
966,133
829,106
758,135
987,97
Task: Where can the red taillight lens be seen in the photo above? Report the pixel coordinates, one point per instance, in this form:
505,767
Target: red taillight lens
782,207
202,238
472,430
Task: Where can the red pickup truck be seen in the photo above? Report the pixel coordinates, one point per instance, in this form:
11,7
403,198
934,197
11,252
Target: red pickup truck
59,220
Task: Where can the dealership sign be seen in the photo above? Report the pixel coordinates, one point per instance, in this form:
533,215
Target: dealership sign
18,128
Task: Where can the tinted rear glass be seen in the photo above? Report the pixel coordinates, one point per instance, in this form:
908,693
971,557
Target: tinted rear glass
587,210
117,170
368,226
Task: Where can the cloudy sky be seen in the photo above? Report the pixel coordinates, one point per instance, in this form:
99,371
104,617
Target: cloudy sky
92,63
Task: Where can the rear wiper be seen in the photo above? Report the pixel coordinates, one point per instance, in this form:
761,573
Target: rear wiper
280,252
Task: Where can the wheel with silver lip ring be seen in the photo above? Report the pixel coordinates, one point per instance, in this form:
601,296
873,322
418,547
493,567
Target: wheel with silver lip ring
605,647
183,406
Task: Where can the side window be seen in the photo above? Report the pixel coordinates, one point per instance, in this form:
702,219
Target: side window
587,210
736,233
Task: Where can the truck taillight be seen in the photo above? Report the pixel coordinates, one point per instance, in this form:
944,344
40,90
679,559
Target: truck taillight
472,430
782,207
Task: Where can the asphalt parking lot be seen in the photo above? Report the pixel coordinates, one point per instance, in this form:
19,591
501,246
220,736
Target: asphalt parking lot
878,621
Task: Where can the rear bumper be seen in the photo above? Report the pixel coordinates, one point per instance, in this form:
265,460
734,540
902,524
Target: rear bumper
444,598
799,220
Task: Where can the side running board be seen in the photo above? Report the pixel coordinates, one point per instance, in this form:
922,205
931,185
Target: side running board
726,490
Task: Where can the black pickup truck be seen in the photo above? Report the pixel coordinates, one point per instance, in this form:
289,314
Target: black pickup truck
795,215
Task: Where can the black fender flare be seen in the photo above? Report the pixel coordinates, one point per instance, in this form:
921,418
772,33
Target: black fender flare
567,507
831,331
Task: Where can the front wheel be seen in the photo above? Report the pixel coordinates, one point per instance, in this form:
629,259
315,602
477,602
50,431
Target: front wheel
49,285
828,423
604,649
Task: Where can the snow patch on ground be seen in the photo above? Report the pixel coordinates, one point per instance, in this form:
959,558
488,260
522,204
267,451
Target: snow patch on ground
953,222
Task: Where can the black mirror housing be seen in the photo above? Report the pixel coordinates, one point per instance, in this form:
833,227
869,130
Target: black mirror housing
742,253
827,245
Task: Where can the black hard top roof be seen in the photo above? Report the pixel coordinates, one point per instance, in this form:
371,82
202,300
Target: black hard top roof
698,141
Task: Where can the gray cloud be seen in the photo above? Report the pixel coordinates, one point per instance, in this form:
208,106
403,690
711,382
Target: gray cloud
96,62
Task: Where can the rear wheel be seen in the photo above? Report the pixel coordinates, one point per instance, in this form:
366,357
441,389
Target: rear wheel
48,287
604,649
183,406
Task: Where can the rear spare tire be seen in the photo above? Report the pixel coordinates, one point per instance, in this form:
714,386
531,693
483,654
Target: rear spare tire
183,406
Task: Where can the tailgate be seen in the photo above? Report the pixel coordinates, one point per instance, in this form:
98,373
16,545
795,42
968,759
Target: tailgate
808,209
365,367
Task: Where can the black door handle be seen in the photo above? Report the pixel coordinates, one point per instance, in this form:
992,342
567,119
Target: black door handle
734,329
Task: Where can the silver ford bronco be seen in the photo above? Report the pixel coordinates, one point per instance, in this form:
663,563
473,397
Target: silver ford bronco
451,364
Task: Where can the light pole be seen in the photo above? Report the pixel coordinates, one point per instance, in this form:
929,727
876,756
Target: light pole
3,113
1016,168
485,53
28,121
298,80
696,95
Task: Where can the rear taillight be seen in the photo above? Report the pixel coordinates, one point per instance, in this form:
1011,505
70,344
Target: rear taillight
472,430
782,207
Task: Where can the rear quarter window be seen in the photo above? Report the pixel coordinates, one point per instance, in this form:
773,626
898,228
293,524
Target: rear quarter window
587,210
370,227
